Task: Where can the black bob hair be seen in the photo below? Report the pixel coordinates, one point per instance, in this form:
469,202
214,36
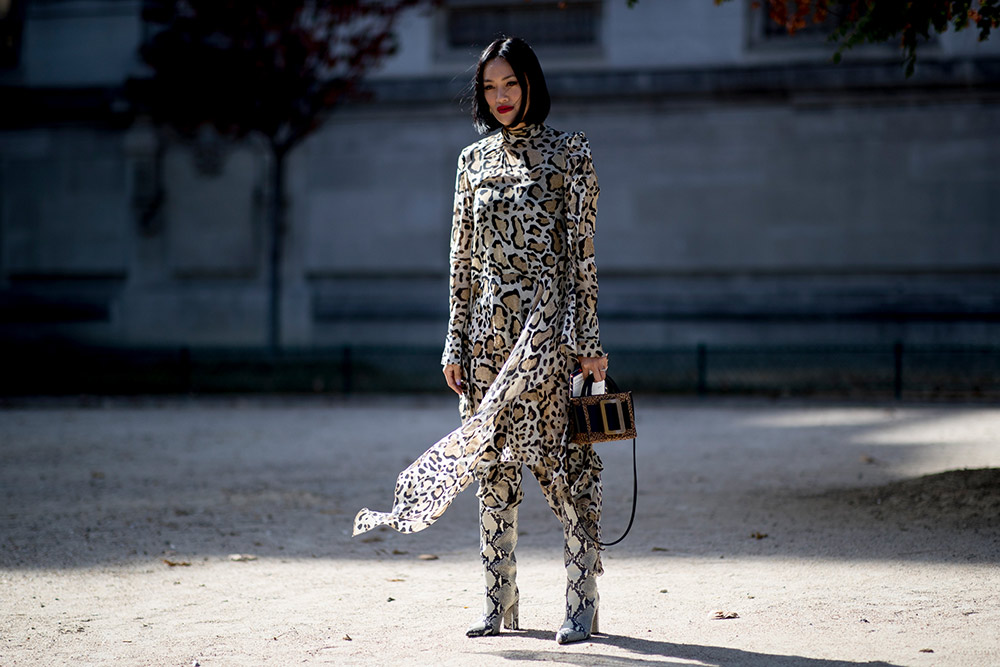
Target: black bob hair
529,75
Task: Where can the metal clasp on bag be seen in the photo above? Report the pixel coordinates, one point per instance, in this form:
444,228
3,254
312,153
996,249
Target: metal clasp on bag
604,416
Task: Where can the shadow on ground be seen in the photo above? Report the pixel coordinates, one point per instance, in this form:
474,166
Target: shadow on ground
650,652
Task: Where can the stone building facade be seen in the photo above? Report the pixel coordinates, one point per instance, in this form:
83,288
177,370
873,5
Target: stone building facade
753,193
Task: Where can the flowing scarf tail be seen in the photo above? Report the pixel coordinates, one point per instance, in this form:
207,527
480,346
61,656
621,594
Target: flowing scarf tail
426,488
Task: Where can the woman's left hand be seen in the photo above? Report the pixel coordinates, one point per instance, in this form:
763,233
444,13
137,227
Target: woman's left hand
596,366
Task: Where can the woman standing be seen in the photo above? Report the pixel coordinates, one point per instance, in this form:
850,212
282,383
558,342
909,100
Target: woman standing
523,313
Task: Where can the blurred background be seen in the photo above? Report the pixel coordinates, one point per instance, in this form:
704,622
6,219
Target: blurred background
770,222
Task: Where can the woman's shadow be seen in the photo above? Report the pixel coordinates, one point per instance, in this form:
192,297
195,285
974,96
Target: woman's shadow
667,653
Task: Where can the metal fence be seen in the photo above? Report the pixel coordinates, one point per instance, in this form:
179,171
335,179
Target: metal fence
884,372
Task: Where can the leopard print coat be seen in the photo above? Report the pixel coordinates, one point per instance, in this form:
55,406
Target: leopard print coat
523,304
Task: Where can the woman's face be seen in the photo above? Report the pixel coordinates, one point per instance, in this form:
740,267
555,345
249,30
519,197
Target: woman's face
502,91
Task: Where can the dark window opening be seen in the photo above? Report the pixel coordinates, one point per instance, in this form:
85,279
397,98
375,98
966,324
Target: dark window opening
11,29
560,24
812,29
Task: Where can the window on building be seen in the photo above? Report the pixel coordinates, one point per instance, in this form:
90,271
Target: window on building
766,34
812,29
565,25
765,31
11,27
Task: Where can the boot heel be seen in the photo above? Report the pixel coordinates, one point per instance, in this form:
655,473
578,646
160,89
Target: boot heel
594,627
510,618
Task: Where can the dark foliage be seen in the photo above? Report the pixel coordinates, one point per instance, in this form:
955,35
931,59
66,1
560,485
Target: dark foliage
274,67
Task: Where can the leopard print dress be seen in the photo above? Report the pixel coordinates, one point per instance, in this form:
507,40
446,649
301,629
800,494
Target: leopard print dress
523,303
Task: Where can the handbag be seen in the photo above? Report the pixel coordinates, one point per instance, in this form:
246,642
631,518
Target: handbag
603,418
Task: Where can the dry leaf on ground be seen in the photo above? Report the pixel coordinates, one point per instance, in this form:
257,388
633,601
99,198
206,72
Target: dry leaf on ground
241,558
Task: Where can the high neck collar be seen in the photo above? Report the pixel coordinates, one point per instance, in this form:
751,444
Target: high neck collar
526,132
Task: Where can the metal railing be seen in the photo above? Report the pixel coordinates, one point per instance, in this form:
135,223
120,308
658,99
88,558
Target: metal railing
850,371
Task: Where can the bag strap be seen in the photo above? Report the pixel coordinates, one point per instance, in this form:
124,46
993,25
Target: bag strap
635,493
612,387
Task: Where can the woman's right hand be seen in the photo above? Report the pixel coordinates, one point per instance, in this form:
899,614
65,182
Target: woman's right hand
453,375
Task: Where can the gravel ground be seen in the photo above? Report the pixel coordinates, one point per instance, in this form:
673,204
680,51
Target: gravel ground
217,532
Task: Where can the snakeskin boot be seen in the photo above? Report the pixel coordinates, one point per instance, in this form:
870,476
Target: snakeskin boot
498,537
582,567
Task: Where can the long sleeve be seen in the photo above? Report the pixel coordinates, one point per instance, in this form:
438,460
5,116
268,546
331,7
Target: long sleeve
460,262
581,211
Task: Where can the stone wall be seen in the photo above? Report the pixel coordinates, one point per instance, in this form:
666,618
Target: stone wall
751,195
823,222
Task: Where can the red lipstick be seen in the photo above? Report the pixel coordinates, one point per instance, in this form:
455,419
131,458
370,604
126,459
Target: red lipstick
505,109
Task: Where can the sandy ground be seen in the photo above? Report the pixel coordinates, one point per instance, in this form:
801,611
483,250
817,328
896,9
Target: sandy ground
833,532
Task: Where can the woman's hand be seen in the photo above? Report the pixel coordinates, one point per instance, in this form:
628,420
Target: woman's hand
453,376
596,366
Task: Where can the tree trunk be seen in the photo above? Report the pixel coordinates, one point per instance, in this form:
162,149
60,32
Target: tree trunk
276,216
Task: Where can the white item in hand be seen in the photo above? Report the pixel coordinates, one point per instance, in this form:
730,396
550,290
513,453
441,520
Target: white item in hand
576,385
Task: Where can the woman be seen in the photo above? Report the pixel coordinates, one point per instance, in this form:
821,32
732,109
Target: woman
523,312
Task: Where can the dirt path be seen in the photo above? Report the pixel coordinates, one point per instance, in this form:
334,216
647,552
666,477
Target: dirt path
830,531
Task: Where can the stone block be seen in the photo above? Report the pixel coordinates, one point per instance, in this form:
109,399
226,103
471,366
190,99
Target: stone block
64,208
214,221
